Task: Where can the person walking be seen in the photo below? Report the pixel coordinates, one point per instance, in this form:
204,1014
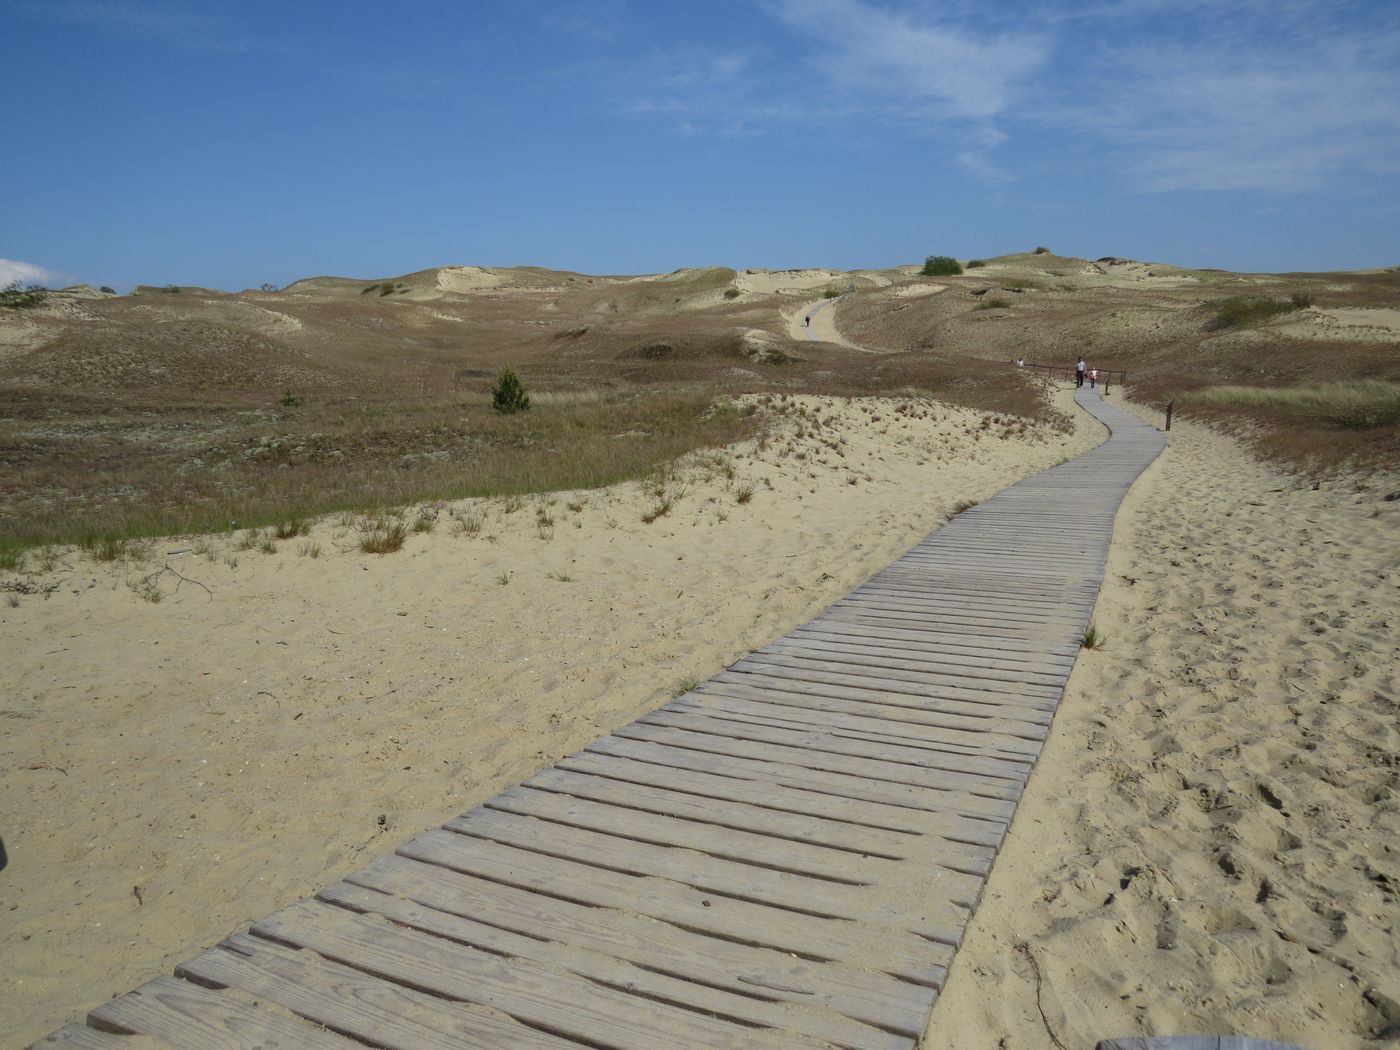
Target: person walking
1079,373
1093,378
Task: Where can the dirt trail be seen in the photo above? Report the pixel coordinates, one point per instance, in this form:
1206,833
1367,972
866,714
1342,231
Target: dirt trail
823,324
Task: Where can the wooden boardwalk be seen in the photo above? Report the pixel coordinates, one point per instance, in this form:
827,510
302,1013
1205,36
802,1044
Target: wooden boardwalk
786,856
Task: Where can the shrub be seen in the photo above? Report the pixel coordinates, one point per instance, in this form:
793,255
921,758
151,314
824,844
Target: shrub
171,289
1041,250
19,296
289,399
941,266
976,264
509,394
732,293
105,289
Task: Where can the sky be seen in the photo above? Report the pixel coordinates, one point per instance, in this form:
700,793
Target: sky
232,143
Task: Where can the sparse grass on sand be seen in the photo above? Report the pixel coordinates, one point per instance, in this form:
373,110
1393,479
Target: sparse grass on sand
1316,426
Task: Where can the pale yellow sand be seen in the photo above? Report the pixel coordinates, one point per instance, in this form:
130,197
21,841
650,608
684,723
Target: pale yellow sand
1211,840
171,770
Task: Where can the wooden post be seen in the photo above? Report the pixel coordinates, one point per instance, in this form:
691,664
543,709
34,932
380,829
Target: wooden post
1169,414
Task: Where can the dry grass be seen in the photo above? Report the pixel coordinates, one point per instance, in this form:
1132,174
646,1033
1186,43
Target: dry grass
162,414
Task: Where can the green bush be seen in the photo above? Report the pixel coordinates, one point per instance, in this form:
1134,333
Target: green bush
976,264
105,289
732,293
19,296
941,266
509,394
1041,250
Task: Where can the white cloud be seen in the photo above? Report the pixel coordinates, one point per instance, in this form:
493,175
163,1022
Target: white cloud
12,270
1286,115
919,66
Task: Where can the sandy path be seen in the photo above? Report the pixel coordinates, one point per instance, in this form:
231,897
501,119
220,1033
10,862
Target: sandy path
823,324
1210,840
170,770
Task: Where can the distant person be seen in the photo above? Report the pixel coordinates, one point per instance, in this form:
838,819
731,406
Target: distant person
1093,378
807,321
1079,373
1020,362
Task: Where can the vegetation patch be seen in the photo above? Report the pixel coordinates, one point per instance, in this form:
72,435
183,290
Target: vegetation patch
1240,311
20,296
1361,404
941,266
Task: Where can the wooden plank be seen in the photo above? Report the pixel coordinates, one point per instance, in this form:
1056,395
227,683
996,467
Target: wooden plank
635,762
729,842
935,788
186,1015
694,716
605,968
81,1037
667,799
937,916
845,734
993,723
912,657
662,947
359,1004
556,1002
933,724
901,955
927,639
958,688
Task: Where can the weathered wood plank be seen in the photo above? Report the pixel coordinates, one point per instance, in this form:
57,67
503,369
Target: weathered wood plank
359,1004
670,799
745,922
555,1001
937,916
862,778
696,717
660,946
1026,699
909,657
186,1015
841,867
931,724
608,969
638,762
853,734
81,1037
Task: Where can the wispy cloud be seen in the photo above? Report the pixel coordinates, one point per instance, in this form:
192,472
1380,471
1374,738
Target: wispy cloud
926,67
186,26
12,270
1245,110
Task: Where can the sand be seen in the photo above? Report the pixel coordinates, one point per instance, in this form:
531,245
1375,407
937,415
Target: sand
172,770
1211,840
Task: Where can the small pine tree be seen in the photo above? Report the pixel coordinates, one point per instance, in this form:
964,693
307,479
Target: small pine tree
941,266
509,394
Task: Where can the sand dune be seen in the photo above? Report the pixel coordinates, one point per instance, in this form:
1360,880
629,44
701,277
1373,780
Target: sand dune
1209,842
172,770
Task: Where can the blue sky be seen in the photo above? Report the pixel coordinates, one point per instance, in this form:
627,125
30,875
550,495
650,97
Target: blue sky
232,142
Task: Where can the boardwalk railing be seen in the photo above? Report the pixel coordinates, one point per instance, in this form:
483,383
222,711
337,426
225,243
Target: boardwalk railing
1065,373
